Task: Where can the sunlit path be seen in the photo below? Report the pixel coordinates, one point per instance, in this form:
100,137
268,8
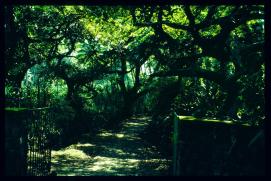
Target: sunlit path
123,153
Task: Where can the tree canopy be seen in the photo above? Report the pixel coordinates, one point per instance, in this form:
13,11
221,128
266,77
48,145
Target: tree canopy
121,60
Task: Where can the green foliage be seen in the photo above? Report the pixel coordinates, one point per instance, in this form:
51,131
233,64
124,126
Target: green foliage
210,63
210,31
99,63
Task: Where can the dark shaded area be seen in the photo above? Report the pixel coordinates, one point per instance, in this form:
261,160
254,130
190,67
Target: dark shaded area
217,149
15,145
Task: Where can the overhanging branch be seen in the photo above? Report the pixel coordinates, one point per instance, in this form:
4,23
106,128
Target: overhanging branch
217,77
255,47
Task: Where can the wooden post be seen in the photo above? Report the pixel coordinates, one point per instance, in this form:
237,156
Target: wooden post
175,143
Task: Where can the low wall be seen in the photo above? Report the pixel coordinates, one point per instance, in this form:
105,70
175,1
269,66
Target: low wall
213,147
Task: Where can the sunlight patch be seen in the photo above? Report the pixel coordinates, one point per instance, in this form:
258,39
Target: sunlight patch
105,134
75,146
111,165
114,161
84,145
120,135
71,153
135,124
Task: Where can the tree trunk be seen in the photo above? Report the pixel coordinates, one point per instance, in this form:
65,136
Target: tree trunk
230,106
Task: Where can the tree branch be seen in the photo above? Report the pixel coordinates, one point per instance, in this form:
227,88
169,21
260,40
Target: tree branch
255,47
190,16
209,75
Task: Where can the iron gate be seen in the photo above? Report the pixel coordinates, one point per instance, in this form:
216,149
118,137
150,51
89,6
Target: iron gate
39,132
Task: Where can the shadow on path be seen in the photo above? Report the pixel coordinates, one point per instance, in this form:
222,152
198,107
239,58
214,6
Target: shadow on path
122,153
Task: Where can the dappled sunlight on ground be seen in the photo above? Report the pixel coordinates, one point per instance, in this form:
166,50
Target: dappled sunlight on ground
114,154
70,152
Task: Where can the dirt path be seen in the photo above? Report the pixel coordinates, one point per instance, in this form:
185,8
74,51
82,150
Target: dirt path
112,154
